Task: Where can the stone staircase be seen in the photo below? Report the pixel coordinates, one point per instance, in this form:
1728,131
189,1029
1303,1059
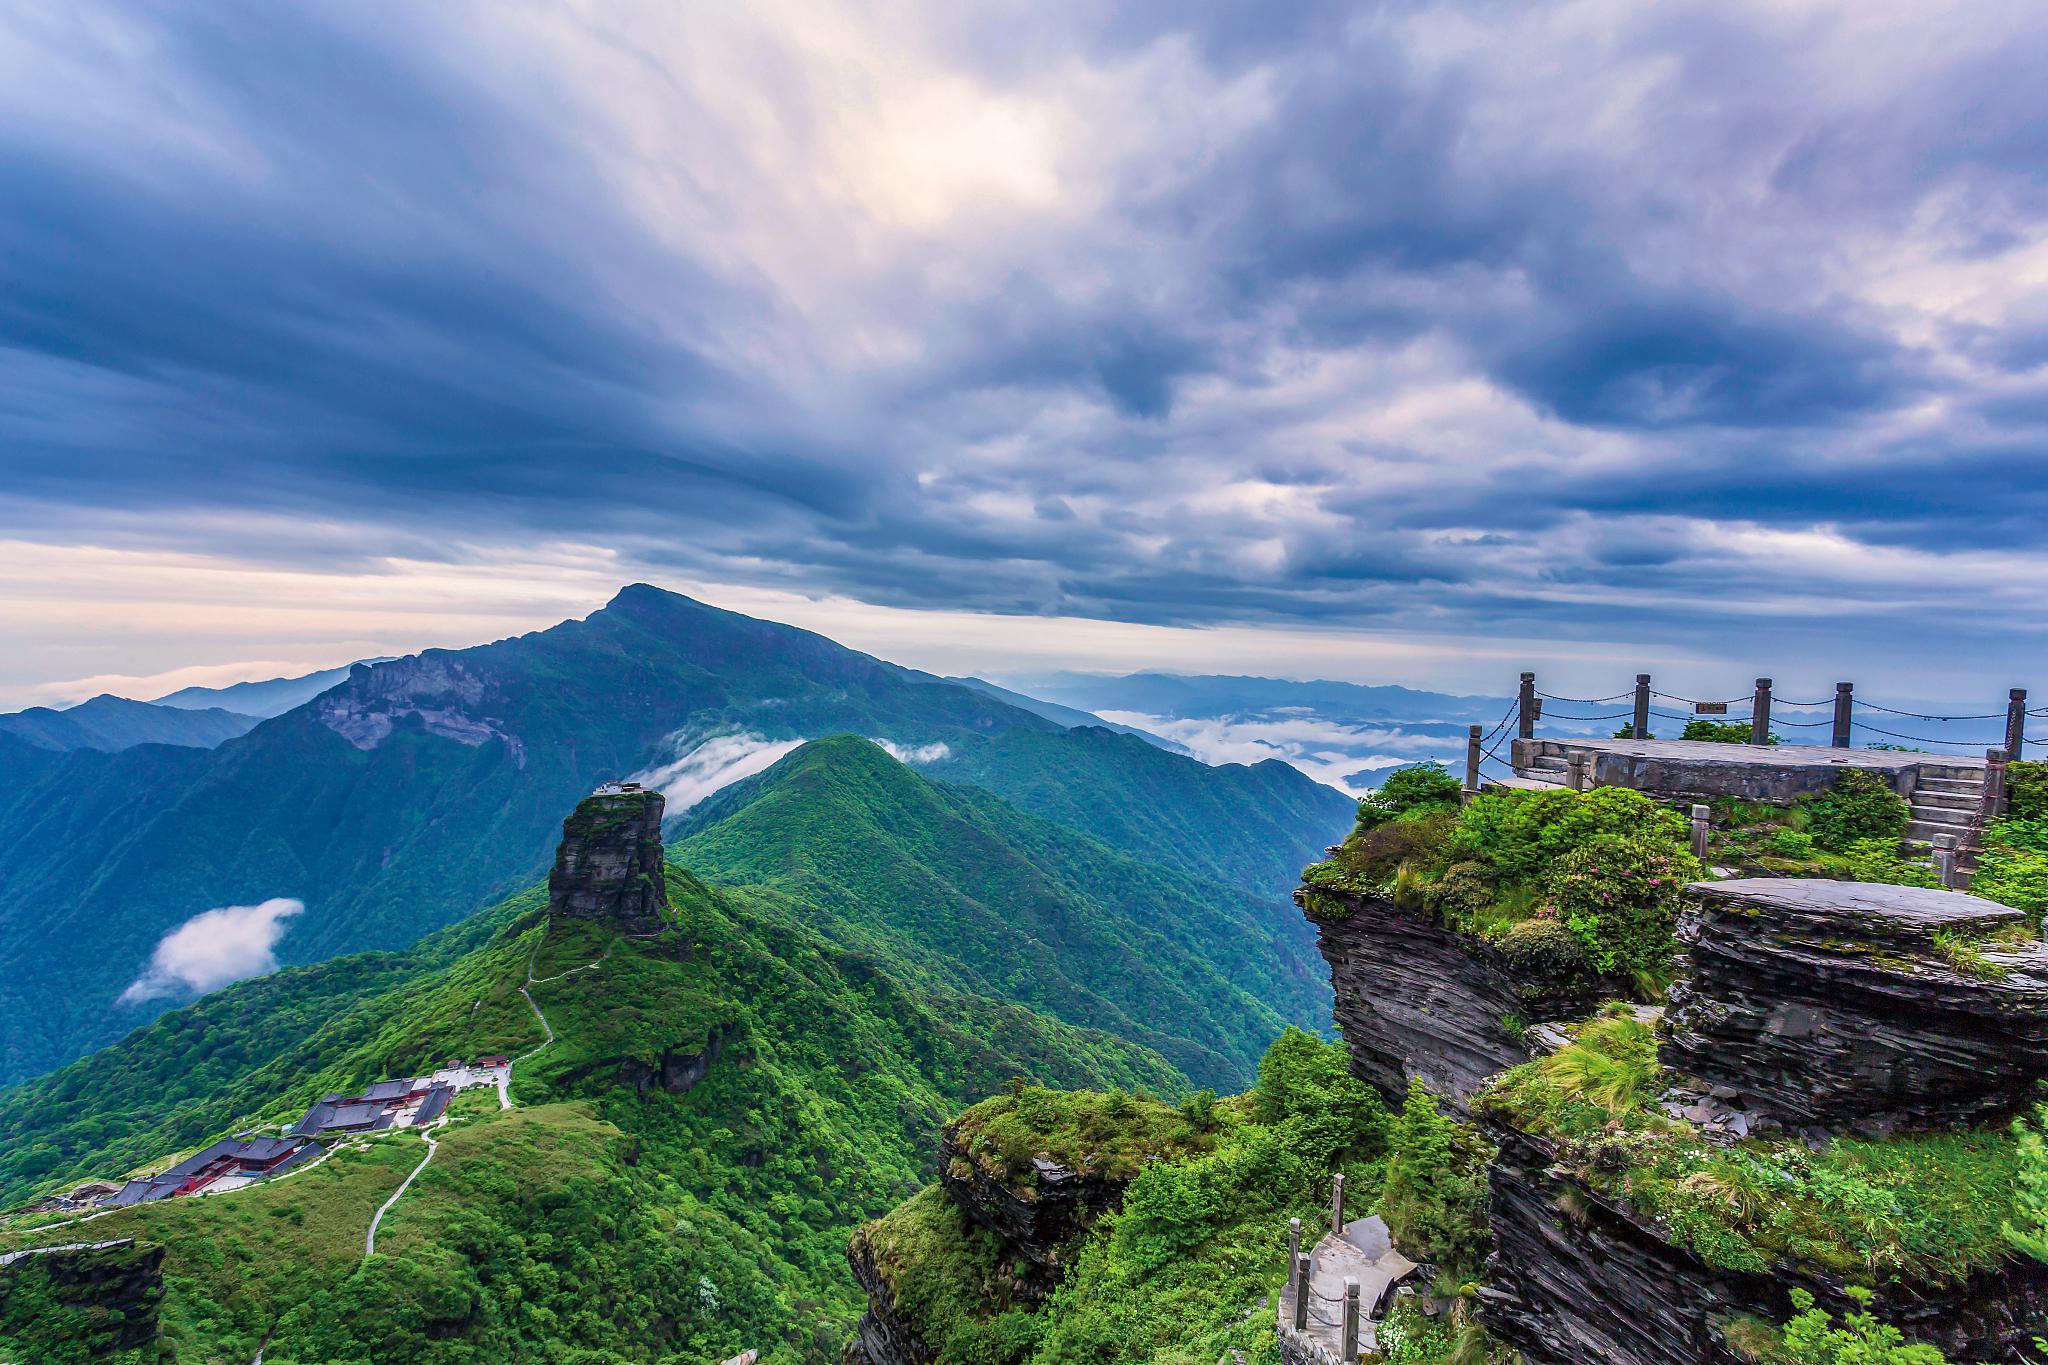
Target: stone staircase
1945,800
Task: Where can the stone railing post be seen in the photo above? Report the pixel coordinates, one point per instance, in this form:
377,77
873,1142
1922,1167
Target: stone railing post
1945,859
1526,707
1700,824
2016,724
1641,720
1994,788
1472,762
1760,713
1575,771
1337,1204
1845,706
1350,1319
1293,1240
1301,1292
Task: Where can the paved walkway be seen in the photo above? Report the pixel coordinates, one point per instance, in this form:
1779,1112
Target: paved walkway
1364,1253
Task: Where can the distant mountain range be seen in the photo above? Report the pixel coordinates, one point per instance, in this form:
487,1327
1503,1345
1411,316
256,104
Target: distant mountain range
272,697
108,723
405,795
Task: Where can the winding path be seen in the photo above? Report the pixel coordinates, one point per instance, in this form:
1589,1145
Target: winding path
370,1237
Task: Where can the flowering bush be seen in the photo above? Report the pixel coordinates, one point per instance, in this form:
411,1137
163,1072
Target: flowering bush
1619,896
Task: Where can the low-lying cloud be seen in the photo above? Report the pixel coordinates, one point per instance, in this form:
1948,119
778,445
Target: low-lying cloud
1329,751
706,766
916,753
213,949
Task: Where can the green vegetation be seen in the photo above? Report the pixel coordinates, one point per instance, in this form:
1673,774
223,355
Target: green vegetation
1721,732
995,902
1572,887
1434,1198
1110,1135
1420,788
1927,1206
1858,807
1200,1239
2014,866
2026,789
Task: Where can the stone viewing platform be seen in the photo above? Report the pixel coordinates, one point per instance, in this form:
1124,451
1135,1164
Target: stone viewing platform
1849,1004
1337,1292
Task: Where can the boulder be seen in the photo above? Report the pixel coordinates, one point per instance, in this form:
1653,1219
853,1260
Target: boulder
1036,1216
1830,1004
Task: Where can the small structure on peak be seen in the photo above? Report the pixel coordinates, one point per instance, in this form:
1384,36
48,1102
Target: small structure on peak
609,864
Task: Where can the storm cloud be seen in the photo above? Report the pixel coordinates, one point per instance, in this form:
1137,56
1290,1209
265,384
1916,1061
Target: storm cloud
1656,323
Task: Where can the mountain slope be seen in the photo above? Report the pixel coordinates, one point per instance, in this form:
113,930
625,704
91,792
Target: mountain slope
270,697
628,1207
1020,908
109,723
1257,826
1063,715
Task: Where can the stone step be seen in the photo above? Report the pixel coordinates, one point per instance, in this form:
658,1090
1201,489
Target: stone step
1964,801
1942,772
1957,786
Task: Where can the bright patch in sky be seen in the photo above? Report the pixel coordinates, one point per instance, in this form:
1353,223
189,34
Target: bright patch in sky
706,766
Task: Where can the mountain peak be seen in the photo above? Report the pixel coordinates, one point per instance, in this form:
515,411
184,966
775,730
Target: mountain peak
609,864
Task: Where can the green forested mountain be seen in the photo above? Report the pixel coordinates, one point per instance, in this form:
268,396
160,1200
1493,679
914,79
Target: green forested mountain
1018,907
613,1215
423,788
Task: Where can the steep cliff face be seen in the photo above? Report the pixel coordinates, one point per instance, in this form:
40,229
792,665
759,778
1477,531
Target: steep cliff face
1832,1004
1036,1219
1576,1278
102,1296
1415,999
882,1338
609,864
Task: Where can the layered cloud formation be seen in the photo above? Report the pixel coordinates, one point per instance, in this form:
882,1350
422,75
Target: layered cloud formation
1582,321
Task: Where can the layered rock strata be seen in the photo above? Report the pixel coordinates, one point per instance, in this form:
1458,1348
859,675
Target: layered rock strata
1575,1277
609,864
1415,999
881,1338
1841,1004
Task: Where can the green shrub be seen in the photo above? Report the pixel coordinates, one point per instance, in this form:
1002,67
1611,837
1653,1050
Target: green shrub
2026,790
1371,856
1620,898
1720,732
1519,834
1547,955
1859,806
1877,860
1434,1199
1790,843
1461,895
1422,787
1323,1112
1514,1028
2014,867
1813,1339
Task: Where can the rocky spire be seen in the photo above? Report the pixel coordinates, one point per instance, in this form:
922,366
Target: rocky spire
609,865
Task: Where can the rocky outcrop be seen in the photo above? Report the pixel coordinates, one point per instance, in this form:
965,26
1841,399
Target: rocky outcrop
102,1295
434,691
609,865
1037,1219
881,1338
1575,1277
1415,999
1830,1004
678,1072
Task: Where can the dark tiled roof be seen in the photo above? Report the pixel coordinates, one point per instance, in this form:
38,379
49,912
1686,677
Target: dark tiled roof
143,1192
397,1088
434,1105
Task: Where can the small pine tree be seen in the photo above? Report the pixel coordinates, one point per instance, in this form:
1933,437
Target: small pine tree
1434,1198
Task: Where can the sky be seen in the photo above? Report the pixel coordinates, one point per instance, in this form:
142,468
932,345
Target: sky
1411,342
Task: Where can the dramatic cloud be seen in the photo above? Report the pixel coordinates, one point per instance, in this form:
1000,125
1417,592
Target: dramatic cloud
213,949
703,766
1710,327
